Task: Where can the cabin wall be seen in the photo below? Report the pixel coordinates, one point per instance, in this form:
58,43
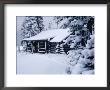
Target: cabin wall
44,46
52,47
56,48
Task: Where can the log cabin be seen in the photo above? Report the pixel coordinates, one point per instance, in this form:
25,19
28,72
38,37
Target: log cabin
48,41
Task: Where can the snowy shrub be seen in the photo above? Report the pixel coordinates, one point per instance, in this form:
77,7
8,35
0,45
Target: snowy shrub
88,72
88,54
73,57
77,69
90,43
77,32
85,53
72,45
82,60
77,39
79,51
75,43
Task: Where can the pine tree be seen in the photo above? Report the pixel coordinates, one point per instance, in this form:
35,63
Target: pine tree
81,55
32,26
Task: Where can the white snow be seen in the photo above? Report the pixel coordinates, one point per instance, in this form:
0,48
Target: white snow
77,69
77,59
37,63
88,72
77,39
57,35
60,37
41,63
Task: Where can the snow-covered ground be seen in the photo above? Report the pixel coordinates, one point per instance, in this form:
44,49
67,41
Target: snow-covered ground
37,63
41,63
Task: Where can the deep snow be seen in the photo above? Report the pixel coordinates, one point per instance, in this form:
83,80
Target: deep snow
41,63
37,63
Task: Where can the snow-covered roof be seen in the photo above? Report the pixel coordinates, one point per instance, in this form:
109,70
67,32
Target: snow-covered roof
57,35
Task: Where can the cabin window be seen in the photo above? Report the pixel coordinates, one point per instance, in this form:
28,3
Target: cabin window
41,44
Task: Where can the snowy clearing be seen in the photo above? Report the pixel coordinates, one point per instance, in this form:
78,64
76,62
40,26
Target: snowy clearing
41,63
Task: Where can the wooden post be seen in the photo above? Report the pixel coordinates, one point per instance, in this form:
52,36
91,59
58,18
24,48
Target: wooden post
45,47
38,46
